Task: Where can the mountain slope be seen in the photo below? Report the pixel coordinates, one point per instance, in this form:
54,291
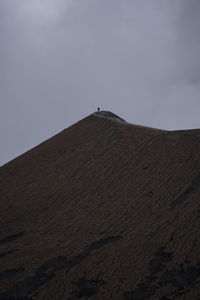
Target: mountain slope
106,210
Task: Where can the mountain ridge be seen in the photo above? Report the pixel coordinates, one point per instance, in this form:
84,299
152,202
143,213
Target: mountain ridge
102,210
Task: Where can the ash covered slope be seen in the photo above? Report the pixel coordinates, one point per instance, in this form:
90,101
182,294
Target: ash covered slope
105,210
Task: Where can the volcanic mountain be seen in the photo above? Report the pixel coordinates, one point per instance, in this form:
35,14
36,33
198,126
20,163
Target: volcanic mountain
103,210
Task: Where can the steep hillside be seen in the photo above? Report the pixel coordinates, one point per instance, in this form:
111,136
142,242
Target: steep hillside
103,210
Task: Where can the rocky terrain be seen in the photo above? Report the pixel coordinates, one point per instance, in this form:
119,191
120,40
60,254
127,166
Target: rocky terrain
103,210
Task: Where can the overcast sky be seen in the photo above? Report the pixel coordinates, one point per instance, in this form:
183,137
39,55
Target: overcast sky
61,59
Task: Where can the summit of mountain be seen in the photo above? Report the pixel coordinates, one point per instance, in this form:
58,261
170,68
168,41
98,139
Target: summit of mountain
105,209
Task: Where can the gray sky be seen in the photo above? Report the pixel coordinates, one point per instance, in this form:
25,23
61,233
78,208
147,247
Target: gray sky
61,59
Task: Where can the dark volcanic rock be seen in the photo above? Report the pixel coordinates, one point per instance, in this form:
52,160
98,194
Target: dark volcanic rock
86,288
103,210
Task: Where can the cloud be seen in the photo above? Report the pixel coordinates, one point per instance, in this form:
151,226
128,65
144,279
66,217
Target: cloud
62,59
41,11
188,42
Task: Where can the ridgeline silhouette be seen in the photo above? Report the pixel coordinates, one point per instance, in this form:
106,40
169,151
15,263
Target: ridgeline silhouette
105,209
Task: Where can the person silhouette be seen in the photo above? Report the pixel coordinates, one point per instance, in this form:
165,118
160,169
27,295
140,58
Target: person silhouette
98,110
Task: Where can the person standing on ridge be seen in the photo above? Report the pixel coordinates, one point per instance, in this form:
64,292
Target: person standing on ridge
98,110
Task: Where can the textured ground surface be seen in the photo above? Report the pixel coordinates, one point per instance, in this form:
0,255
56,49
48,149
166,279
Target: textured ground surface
103,210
